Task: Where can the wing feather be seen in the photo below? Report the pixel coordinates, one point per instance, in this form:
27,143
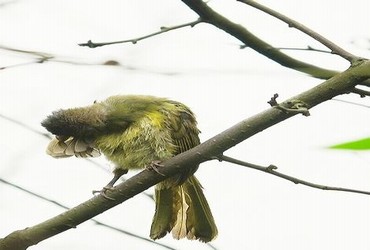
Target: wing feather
60,147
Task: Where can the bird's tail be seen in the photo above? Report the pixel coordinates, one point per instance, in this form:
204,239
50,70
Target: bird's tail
183,210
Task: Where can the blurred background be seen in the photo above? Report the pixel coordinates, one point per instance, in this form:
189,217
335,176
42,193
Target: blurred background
204,68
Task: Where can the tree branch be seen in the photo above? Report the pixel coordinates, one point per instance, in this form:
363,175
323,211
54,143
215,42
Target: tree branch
94,220
208,150
335,49
361,92
91,44
272,170
42,57
210,16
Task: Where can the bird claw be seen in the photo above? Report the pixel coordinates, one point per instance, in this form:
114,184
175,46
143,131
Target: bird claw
154,165
103,192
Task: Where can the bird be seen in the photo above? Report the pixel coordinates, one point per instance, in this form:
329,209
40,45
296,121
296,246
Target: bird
136,132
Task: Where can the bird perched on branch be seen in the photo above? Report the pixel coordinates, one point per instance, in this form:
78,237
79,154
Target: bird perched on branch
134,132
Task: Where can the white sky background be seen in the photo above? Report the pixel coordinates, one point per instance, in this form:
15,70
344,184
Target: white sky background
204,68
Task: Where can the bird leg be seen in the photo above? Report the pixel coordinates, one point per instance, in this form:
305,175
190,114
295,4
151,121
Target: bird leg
117,174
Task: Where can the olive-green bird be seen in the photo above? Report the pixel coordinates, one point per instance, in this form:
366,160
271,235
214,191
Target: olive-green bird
134,132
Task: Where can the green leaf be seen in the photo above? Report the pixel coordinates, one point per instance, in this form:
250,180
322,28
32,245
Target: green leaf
362,144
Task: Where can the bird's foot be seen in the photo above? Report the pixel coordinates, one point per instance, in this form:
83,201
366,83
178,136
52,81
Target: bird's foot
103,192
110,186
154,165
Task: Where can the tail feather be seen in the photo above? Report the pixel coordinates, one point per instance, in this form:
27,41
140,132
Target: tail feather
179,230
183,210
164,217
200,223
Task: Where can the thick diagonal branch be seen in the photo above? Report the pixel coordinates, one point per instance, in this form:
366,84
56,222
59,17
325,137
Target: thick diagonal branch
208,150
210,16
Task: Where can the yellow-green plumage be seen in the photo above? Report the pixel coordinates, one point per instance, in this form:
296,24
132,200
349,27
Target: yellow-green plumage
133,132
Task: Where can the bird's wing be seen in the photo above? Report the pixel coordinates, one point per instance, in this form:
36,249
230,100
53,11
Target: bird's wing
60,148
184,132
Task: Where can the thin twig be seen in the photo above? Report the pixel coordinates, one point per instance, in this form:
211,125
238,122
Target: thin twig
94,220
91,44
361,92
309,48
365,83
272,170
42,56
292,23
